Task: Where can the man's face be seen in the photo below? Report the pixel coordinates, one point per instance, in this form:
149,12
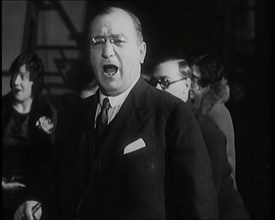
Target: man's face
169,71
21,85
115,52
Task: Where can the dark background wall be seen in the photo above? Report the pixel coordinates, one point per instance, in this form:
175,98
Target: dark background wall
239,31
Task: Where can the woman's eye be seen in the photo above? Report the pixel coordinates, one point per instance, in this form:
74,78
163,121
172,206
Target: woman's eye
24,77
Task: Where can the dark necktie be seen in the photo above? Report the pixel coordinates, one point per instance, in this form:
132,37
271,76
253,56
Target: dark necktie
102,119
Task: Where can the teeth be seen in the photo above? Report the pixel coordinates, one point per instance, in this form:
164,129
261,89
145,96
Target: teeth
110,69
110,73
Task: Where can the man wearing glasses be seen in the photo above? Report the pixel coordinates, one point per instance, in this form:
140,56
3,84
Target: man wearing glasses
173,77
145,158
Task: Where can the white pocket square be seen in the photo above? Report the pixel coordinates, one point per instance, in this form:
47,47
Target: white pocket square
138,144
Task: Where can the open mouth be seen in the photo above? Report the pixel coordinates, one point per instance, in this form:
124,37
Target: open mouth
17,90
110,69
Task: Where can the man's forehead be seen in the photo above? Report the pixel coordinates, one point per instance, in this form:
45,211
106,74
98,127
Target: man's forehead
169,65
116,20
168,68
117,12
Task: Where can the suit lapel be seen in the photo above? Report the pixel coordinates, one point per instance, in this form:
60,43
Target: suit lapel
85,115
132,113
83,138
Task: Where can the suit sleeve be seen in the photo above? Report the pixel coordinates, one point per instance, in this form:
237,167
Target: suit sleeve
190,188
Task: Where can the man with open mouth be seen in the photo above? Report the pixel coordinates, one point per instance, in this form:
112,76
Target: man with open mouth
130,150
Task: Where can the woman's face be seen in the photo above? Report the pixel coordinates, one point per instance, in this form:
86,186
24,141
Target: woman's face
196,89
21,85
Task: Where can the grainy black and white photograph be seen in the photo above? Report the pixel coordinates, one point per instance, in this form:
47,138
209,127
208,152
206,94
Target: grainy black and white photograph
136,109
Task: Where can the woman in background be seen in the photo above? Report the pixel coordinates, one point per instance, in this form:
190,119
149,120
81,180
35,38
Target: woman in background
210,92
28,125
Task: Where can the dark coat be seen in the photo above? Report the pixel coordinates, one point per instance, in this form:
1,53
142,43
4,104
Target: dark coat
34,149
231,204
168,178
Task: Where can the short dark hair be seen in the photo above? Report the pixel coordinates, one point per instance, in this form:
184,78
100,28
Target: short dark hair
210,68
135,19
34,65
184,68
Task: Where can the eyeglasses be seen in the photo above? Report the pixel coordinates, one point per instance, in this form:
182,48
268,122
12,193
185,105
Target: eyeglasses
114,39
165,83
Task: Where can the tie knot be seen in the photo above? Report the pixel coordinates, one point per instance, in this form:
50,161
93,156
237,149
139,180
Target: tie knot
106,104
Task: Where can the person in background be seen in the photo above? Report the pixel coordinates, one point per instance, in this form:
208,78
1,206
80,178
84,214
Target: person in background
28,126
210,91
174,76
130,151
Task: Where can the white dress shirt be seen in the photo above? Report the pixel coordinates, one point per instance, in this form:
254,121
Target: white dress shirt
115,102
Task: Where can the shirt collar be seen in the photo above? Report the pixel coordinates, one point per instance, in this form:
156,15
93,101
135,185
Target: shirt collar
117,100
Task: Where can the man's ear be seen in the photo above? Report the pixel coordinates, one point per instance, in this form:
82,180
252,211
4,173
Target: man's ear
142,51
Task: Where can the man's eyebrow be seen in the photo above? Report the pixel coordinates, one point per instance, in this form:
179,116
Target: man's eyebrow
117,35
112,35
97,36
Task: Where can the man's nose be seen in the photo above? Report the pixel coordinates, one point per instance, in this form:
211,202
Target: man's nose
108,50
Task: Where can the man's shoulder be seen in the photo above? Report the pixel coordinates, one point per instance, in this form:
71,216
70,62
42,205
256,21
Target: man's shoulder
168,104
164,98
154,98
86,101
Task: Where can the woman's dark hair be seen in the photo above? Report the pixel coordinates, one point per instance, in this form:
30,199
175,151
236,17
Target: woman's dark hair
34,65
184,68
210,68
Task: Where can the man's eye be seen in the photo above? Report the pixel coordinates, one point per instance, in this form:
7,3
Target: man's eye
96,41
164,80
118,41
102,40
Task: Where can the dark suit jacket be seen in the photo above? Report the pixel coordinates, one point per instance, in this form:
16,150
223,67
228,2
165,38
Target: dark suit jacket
168,178
231,205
